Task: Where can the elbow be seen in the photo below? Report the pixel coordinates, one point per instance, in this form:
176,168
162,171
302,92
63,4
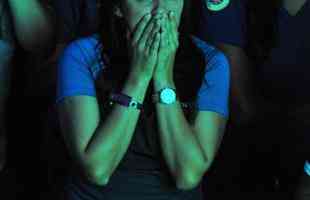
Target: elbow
188,182
94,172
97,177
190,178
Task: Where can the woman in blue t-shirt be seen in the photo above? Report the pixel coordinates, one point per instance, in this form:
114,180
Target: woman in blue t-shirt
142,104
267,44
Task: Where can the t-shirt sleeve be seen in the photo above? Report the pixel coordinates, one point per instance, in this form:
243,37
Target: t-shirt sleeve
213,94
74,74
225,26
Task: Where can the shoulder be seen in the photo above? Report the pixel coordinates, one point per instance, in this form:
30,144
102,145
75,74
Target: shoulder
211,53
85,45
86,51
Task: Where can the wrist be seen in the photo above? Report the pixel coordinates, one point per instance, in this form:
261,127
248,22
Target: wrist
138,79
136,87
163,82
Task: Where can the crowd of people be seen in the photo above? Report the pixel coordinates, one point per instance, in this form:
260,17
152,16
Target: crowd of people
154,99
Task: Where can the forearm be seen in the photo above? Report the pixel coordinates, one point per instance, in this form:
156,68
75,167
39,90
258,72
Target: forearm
32,22
182,151
113,135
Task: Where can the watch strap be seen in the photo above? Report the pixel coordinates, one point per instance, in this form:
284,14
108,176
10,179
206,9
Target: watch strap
125,100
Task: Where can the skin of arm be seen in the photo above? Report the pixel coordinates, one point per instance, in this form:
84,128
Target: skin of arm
189,149
33,23
99,145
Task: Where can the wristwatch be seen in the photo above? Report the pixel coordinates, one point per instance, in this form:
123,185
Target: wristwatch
165,96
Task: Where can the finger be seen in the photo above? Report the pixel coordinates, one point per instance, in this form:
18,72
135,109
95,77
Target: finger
172,18
152,34
147,31
153,50
174,29
163,39
166,33
169,29
140,28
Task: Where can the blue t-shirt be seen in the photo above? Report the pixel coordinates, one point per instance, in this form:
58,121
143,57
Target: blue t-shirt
80,65
285,76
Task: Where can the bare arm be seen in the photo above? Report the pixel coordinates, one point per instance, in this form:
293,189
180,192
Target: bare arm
33,24
99,145
189,149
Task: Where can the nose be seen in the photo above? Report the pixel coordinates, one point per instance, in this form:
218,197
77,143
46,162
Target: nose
159,7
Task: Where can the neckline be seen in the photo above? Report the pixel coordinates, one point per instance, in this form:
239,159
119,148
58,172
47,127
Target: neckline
299,12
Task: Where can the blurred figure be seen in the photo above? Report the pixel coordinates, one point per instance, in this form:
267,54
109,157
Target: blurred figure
267,44
26,28
75,18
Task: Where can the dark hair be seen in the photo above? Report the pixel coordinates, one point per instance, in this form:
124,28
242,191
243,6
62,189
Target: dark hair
262,28
114,51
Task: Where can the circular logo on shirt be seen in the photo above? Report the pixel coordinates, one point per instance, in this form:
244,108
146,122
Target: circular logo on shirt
217,5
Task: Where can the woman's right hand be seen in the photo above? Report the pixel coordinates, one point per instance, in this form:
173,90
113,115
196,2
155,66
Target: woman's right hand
144,46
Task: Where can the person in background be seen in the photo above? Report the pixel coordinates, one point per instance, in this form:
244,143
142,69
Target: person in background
133,112
33,23
75,18
27,27
267,44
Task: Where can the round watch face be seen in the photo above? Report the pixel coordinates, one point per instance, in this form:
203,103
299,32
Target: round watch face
217,5
167,96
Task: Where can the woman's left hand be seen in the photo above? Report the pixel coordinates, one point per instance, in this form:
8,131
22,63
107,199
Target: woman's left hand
169,43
